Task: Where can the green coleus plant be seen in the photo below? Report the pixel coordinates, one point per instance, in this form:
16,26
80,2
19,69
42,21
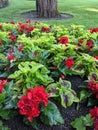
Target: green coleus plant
62,90
37,55
31,74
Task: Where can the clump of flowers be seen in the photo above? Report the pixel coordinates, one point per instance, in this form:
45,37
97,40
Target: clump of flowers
10,57
93,85
29,105
38,55
64,40
45,29
2,85
94,115
69,62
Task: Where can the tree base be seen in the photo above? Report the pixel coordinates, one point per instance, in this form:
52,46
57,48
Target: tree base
34,16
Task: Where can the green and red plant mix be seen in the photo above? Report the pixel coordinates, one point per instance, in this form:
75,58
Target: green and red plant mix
34,61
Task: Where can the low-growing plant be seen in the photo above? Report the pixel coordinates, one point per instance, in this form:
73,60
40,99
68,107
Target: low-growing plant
34,62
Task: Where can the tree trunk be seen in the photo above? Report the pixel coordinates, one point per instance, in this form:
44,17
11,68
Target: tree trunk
47,8
3,3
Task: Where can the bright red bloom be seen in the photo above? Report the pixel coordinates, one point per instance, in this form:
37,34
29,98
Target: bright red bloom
94,115
80,40
2,84
93,86
69,62
11,57
29,29
96,124
12,38
39,95
28,108
93,30
1,26
96,57
23,26
89,44
64,40
29,104
45,29
94,112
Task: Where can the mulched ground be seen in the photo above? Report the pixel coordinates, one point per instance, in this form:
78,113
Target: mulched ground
33,16
69,114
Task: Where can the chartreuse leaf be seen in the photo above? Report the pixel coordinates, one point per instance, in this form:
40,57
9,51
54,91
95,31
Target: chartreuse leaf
31,74
82,122
51,115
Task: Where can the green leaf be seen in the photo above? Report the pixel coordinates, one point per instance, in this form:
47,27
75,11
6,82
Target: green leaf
82,122
2,97
5,114
51,115
9,87
78,124
33,123
84,94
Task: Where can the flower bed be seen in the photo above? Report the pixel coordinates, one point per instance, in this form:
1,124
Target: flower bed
35,61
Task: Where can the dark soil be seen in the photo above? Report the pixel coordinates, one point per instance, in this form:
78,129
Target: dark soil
33,16
69,114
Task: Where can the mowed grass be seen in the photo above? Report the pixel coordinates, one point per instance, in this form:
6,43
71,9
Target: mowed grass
85,12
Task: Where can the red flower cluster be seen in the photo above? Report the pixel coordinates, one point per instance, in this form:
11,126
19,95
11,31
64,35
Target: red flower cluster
96,57
29,104
93,30
0,26
11,57
89,44
80,40
64,40
25,28
94,87
45,29
94,115
69,62
11,37
2,84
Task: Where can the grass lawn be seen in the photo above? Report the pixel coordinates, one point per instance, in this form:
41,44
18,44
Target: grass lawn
85,12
